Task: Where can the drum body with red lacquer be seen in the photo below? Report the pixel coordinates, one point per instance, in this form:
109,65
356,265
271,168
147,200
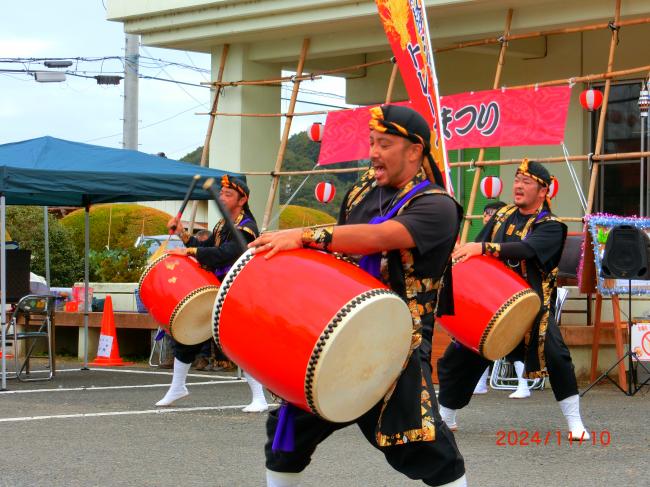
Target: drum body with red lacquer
321,333
494,307
179,295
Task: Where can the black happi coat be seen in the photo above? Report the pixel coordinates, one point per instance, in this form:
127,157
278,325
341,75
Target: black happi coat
531,245
421,276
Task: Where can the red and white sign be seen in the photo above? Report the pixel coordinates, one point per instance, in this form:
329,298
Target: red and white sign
492,118
641,341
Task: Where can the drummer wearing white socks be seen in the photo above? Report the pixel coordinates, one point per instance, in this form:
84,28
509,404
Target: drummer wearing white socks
217,253
528,238
405,227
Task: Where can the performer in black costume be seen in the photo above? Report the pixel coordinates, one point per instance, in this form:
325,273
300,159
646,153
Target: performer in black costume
217,253
529,239
406,227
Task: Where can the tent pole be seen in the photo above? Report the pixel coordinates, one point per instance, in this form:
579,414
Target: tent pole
86,279
3,288
46,231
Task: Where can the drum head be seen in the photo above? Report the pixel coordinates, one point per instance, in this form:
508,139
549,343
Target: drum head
509,325
191,321
359,355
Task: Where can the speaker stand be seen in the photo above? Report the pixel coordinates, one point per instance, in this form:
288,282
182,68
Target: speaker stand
632,386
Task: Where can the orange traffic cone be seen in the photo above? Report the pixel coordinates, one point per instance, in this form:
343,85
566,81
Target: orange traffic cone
108,353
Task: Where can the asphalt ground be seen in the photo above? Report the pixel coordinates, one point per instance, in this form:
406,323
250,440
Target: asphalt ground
99,427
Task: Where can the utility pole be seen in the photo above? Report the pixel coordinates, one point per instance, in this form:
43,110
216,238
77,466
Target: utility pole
131,63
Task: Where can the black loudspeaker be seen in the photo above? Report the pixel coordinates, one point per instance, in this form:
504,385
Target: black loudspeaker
18,265
626,254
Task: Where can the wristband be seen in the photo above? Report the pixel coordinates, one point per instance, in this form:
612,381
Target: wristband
317,238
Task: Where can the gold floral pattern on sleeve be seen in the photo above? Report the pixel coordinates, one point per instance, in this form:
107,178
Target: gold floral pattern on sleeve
493,249
318,238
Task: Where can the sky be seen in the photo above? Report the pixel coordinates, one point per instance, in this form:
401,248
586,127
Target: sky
79,109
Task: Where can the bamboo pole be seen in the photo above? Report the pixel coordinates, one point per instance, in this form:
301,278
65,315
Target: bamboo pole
391,84
230,114
306,77
208,135
481,154
500,162
585,79
603,110
285,135
530,35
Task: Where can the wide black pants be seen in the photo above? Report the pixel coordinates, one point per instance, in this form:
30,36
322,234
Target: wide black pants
434,462
460,368
187,353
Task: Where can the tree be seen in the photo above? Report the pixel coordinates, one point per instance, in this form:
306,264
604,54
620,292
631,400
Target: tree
26,226
302,155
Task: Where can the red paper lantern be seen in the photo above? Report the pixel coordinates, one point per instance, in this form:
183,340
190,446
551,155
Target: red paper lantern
325,192
553,188
316,132
591,99
491,186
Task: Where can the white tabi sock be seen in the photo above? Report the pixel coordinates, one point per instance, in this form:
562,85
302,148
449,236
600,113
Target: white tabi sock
571,410
258,403
282,479
449,417
461,482
177,389
481,385
522,391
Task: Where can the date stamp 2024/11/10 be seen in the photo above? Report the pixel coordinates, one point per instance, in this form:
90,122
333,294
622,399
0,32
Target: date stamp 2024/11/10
547,438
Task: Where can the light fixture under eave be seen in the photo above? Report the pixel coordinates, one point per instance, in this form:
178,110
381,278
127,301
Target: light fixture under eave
103,79
49,76
58,64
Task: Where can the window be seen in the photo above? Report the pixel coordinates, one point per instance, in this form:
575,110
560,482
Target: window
622,185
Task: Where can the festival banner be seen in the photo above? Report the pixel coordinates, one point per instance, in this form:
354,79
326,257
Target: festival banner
405,24
494,118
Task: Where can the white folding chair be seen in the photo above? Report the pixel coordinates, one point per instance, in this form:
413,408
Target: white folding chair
504,375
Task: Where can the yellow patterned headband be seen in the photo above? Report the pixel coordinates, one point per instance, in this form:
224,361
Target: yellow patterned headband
232,183
378,123
525,170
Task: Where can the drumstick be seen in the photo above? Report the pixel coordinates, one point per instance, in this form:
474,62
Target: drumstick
209,187
163,247
188,195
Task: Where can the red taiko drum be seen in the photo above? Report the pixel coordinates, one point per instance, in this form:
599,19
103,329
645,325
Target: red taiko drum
321,333
179,295
495,307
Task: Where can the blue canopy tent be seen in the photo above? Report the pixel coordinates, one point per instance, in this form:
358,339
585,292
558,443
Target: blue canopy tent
53,172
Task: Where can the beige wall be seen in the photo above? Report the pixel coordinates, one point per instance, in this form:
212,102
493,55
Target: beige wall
564,56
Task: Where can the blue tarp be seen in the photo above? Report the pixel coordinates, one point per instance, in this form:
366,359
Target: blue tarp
53,172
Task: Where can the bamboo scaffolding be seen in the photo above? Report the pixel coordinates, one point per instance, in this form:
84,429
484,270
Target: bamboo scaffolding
208,135
601,124
481,154
531,35
391,84
299,77
621,156
285,135
585,79
262,115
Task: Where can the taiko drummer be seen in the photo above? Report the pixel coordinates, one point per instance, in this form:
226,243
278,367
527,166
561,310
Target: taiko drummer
405,227
529,239
217,253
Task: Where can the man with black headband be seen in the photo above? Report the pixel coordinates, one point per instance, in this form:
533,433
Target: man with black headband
529,239
405,227
217,253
